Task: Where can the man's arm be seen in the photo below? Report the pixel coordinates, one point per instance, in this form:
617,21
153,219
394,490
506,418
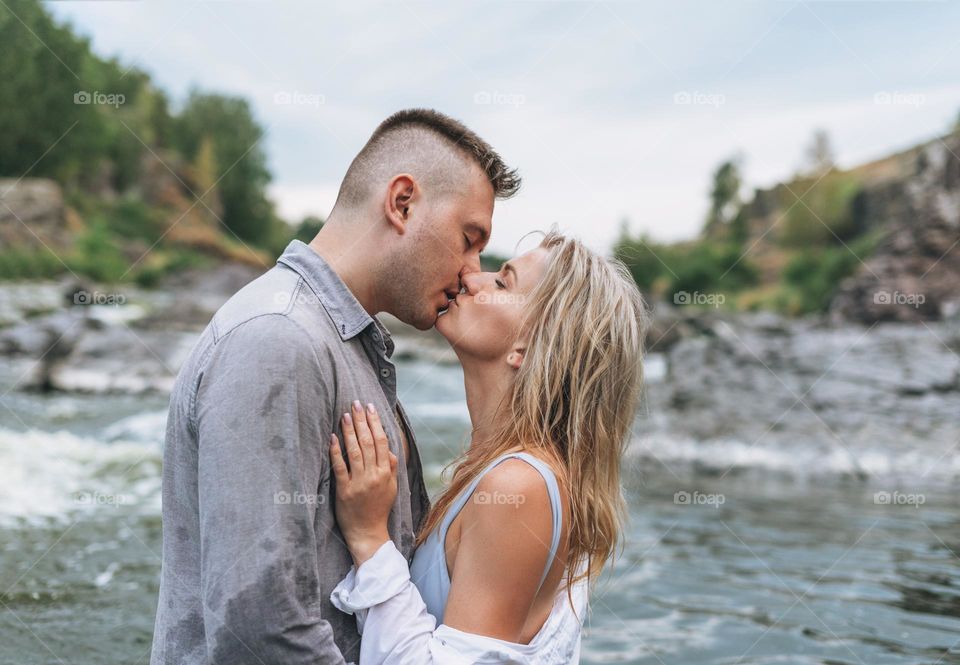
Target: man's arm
263,412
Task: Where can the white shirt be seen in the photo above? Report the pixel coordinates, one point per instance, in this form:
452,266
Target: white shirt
396,628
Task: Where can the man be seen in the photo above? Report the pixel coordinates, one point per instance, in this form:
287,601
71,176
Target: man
251,550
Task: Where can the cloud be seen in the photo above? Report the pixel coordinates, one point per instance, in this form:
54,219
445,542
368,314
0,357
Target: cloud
582,98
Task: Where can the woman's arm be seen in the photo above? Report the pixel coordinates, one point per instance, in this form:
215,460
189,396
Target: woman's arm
396,627
505,534
505,531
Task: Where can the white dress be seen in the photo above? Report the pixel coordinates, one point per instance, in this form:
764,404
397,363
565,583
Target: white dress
396,627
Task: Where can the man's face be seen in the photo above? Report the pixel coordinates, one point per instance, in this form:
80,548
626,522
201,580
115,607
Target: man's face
446,237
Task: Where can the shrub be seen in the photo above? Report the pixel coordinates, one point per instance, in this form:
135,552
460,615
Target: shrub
29,264
823,214
812,276
97,255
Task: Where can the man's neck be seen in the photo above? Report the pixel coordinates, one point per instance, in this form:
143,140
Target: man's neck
348,257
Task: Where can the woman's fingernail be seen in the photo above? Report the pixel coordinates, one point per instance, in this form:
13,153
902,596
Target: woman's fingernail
371,408
347,419
356,405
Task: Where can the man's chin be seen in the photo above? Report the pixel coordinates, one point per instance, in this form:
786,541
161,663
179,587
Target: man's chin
425,321
421,324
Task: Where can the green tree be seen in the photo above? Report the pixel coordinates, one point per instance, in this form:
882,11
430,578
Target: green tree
646,260
724,195
309,227
44,129
243,177
67,113
819,155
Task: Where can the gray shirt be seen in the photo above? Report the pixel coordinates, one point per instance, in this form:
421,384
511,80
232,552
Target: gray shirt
251,549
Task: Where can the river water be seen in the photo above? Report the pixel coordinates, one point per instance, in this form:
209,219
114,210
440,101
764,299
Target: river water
768,564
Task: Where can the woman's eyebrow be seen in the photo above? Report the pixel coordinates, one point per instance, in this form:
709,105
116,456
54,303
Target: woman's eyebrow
508,267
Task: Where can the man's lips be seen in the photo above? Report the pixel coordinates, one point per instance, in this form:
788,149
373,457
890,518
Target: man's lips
450,302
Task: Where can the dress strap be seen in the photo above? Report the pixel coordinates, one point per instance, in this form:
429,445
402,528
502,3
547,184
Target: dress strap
553,490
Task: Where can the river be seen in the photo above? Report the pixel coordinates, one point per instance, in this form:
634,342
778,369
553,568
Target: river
761,564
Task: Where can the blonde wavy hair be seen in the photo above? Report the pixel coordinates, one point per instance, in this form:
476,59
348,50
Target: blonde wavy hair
573,399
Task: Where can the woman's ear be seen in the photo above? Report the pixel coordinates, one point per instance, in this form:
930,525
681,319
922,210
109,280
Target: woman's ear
515,357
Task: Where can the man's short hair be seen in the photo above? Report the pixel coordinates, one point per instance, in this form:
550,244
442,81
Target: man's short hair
434,148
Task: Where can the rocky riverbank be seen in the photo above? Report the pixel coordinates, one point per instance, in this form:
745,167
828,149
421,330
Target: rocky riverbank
74,337
757,388
763,390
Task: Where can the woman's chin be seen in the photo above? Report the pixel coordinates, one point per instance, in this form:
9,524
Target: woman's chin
445,325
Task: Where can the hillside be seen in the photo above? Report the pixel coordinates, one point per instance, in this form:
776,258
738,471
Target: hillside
101,177
878,242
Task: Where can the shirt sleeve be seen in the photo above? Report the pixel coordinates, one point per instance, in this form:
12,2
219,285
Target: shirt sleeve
262,417
396,627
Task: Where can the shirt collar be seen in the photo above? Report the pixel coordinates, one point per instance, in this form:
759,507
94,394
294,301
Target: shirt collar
341,305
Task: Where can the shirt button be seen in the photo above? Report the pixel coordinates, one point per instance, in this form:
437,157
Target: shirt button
385,373
376,337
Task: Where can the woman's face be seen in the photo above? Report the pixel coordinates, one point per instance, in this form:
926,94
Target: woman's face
484,323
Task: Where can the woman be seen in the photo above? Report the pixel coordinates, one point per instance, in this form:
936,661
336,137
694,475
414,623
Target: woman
551,347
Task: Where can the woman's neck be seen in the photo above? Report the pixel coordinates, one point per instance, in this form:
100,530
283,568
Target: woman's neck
487,388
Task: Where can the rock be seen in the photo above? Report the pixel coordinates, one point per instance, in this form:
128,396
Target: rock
121,359
671,324
122,339
34,337
846,390
24,300
193,296
914,272
32,215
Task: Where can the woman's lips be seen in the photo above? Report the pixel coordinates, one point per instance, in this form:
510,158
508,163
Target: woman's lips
447,305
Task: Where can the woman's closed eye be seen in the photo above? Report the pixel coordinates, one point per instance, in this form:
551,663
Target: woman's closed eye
500,284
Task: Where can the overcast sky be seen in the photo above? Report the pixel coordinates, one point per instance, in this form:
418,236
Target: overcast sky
611,110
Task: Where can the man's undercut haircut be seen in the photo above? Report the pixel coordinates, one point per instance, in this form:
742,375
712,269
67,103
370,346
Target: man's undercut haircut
438,151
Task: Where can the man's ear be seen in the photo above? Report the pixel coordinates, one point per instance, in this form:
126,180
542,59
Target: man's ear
401,193
515,357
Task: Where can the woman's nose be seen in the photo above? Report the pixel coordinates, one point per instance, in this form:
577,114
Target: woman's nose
469,282
473,282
